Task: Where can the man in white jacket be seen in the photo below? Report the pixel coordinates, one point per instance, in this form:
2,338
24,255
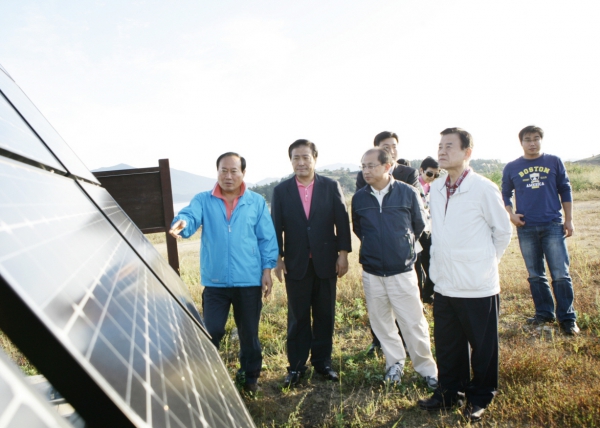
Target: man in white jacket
470,232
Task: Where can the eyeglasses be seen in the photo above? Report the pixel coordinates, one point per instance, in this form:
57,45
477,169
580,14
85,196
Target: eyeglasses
369,167
431,174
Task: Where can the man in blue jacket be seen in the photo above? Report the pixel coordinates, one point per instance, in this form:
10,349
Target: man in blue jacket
538,179
387,218
238,251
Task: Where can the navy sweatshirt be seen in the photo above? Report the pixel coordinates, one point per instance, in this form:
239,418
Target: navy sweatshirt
537,184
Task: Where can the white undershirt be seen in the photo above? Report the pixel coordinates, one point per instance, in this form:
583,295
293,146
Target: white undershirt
379,194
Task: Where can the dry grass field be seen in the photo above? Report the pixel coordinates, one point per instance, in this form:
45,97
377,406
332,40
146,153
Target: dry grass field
546,379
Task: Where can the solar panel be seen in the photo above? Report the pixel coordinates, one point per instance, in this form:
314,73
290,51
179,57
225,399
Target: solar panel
43,129
18,138
90,301
142,246
20,405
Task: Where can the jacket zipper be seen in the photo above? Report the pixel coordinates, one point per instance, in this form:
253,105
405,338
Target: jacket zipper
381,229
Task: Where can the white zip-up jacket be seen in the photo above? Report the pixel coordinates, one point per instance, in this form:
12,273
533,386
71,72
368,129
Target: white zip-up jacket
468,238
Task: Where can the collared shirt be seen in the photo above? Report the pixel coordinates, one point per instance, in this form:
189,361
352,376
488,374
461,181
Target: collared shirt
306,193
394,165
217,192
451,189
379,194
426,186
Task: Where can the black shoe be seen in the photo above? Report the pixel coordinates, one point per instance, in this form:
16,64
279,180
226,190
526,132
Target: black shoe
538,320
292,379
373,350
240,377
329,374
569,327
251,388
473,413
431,404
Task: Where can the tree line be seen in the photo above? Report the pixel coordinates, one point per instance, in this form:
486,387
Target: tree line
347,178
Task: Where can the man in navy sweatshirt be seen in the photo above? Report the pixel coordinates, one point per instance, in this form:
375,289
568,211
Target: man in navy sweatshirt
541,187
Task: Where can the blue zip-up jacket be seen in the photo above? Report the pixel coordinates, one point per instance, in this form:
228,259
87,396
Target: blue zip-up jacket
232,253
388,232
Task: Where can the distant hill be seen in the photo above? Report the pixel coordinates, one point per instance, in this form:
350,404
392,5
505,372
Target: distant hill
114,167
594,160
337,166
184,184
268,180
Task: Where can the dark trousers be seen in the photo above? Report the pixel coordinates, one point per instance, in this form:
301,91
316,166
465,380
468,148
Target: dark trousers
247,304
316,295
422,267
466,330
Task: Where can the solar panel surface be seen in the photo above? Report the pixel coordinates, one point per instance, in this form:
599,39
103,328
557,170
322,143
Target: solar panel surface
20,405
17,137
142,246
46,132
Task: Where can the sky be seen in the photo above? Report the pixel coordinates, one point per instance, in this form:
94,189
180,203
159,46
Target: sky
136,81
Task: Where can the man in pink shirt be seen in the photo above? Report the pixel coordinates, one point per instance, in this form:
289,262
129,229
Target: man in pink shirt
313,232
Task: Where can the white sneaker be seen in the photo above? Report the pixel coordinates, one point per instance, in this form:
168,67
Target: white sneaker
394,373
431,381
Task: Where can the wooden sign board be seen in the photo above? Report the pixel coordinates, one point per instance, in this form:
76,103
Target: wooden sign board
146,196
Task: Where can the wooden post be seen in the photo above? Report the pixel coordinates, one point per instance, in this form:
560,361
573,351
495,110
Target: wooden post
167,193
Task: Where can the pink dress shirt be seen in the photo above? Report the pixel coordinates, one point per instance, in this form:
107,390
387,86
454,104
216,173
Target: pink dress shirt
306,193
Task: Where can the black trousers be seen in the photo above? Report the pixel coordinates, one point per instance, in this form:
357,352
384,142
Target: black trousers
247,304
466,337
316,295
422,267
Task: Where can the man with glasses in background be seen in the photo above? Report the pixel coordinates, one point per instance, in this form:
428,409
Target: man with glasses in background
388,141
541,188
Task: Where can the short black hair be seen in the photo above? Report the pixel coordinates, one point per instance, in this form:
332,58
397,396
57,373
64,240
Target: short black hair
466,139
384,136
404,162
530,130
228,154
429,162
383,156
303,142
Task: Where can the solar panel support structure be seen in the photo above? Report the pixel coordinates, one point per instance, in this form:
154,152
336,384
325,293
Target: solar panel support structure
146,195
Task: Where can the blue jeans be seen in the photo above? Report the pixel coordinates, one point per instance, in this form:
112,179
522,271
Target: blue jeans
541,243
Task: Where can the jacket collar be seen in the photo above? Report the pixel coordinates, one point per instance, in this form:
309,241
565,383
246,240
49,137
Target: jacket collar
465,186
